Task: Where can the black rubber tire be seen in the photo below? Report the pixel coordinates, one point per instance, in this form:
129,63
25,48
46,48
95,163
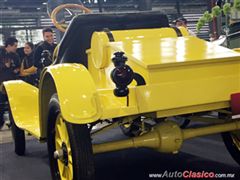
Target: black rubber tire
228,141
231,146
80,142
18,137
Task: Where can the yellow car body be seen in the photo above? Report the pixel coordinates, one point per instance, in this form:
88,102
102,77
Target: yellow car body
183,75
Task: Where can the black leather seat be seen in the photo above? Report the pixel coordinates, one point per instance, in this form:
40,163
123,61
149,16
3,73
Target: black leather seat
234,36
77,39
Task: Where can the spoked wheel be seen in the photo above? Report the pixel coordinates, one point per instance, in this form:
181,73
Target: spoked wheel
232,142
69,147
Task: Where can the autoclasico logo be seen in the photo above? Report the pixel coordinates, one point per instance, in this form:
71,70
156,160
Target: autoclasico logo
187,174
203,174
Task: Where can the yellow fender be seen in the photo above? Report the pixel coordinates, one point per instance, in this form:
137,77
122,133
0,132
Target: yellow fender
23,100
76,92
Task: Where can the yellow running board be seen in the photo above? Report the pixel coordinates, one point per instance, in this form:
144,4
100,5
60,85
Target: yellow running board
25,115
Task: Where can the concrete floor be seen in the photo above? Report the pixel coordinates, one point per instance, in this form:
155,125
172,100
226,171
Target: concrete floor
200,154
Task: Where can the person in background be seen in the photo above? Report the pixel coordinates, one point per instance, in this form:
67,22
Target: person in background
9,69
47,45
27,62
183,22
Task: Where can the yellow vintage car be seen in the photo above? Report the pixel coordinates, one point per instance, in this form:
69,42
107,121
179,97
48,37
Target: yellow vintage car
124,68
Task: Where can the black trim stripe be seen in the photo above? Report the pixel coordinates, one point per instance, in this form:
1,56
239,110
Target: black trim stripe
178,32
109,34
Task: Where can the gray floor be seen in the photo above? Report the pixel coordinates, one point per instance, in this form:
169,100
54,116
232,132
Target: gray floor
201,154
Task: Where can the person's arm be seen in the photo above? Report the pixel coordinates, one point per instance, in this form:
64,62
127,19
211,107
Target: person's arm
36,62
30,70
7,64
23,71
37,58
16,62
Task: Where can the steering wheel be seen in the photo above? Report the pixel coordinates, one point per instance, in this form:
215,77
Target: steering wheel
55,53
61,26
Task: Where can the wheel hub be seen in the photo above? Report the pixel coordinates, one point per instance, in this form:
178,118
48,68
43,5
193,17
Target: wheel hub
62,154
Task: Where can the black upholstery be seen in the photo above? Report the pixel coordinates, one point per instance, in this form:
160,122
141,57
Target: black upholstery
77,39
234,36
235,27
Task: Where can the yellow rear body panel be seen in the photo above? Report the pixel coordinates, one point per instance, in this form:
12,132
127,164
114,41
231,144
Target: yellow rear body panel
182,74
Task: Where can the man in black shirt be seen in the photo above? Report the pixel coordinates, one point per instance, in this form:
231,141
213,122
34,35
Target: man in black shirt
9,69
47,45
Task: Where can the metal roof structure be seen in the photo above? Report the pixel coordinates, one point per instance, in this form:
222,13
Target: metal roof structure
21,17
33,13
20,13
